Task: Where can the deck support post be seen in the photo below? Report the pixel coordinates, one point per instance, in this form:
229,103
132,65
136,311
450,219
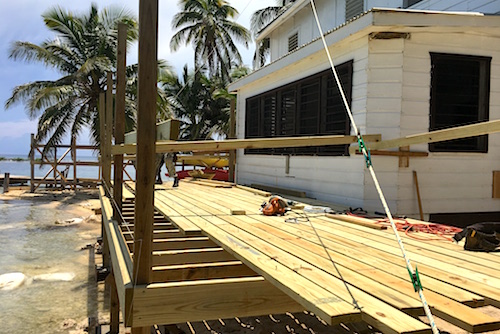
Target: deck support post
114,306
108,130
6,182
120,117
232,135
102,133
146,149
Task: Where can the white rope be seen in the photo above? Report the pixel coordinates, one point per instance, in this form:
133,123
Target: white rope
374,177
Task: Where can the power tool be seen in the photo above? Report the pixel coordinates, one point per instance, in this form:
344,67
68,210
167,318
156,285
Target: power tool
276,206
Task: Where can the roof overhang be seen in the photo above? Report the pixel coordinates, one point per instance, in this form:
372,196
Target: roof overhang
376,20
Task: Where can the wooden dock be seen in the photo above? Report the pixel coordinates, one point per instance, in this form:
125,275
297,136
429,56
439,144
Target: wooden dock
208,263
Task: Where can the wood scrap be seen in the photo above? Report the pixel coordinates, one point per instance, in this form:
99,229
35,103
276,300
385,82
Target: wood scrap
357,220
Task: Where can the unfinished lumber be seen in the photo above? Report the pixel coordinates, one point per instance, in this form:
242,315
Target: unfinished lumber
282,191
197,271
422,256
251,250
354,271
456,278
357,220
232,144
178,302
253,190
465,131
190,256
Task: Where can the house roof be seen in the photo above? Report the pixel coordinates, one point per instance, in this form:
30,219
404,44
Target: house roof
374,20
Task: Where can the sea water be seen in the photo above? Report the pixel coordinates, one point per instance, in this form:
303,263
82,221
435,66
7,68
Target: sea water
31,243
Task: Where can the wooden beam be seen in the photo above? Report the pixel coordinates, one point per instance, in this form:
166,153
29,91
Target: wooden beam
121,82
177,302
146,121
357,220
108,133
195,271
232,135
232,144
102,131
465,131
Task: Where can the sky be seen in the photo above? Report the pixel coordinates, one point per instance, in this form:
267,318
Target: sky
21,20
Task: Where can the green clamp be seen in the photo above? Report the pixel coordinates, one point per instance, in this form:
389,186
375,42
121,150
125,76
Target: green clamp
415,279
365,151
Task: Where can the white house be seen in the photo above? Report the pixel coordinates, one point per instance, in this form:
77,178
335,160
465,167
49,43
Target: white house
404,72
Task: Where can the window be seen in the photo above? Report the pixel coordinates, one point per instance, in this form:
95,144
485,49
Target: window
293,42
308,107
409,3
353,8
460,90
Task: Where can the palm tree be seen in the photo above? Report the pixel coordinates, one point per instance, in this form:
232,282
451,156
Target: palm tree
207,25
83,51
196,100
260,19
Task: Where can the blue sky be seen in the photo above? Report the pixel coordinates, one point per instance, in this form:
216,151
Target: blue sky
21,20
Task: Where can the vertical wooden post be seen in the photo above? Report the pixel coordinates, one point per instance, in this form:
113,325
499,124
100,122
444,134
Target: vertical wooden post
420,210
6,182
55,167
146,146
120,115
73,158
32,164
114,306
108,130
232,135
102,133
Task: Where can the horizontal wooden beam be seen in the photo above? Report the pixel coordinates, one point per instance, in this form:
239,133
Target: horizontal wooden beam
120,257
173,257
458,132
397,153
233,144
177,302
197,271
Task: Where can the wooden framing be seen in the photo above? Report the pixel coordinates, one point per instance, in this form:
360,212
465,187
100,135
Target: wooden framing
232,144
465,131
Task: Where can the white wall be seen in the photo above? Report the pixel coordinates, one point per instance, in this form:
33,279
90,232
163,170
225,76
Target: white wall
482,6
399,93
330,13
335,179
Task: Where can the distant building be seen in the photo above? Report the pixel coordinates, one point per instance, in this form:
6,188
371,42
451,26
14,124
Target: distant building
404,71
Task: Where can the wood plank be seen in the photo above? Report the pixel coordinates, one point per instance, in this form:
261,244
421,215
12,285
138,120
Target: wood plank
120,257
357,220
253,190
253,251
180,243
190,256
465,131
353,271
171,303
232,144
146,121
283,191
197,271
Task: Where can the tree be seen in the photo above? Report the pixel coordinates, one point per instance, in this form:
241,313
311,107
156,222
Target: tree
207,25
260,19
197,101
83,51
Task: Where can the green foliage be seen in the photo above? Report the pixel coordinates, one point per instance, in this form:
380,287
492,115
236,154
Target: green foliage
83,50
207,25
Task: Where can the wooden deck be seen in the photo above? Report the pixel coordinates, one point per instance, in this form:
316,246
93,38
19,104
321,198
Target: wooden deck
215,256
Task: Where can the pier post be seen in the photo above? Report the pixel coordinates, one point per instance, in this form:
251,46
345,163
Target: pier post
6,182
102,133
32,164
73,158
108,131
146,146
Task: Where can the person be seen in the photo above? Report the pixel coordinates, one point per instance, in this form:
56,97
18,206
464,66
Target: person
170,160
159,161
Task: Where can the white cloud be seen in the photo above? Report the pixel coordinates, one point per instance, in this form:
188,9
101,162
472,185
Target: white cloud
17,129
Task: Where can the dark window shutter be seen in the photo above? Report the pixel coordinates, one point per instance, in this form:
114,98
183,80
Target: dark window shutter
459,96
293,42
353,8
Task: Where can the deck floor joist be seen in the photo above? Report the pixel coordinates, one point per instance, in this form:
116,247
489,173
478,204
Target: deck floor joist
201,241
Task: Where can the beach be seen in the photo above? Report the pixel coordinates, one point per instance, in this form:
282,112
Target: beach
48,239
